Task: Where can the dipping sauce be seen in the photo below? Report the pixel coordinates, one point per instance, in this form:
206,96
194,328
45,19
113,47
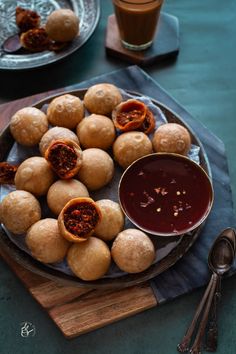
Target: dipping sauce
137,21
166,194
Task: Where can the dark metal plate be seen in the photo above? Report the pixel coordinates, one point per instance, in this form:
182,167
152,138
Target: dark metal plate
178,246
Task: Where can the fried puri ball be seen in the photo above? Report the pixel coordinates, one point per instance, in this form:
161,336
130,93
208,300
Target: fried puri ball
130,146
172,137
45,241
96,131
78,219
89,260
34,175
112,220
97,168
102,98
28,125
133,251
56,133
62,191
62,25
19,210
65,111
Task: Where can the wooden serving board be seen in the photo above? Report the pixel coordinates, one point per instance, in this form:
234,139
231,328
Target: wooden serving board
76,310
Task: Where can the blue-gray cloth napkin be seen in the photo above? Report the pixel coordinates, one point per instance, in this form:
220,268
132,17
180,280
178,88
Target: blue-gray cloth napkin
191,271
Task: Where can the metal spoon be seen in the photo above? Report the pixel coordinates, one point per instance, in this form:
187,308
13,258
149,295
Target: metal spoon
220,260
12,44
217,262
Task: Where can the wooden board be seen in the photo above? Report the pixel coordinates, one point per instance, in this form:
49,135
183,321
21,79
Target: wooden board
76,310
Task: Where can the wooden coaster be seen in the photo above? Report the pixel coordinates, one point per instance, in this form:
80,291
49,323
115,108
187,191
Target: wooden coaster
165,45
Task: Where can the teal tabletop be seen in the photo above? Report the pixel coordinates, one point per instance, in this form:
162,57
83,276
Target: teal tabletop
203,80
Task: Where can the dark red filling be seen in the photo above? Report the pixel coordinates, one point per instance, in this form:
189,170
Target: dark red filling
131,115
62,158
7,172
81,219
35,39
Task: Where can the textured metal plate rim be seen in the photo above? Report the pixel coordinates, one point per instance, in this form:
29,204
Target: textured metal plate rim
87,10
107,283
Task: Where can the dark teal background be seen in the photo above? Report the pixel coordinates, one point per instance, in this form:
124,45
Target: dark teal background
203,80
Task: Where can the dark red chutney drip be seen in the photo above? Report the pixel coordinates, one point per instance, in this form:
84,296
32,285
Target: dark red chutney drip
167,196
63,158
80,219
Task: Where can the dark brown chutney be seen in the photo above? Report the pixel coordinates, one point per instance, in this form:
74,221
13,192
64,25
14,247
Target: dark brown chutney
165,194
80,219
63,158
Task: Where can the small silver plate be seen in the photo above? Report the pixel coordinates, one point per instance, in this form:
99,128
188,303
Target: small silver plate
88,12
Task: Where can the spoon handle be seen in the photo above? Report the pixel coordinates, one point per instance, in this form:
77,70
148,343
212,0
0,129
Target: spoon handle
196,348
184,344
212,330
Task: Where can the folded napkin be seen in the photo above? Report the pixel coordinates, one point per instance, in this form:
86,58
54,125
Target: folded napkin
191,271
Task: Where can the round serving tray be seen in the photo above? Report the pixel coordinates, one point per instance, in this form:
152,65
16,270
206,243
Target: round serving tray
88,12
180,245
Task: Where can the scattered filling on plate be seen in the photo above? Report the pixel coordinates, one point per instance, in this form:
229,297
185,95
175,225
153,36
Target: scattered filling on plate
7,173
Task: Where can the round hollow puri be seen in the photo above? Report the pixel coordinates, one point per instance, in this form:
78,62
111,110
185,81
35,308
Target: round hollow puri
19,210
28,125
89,260
97,168
65,111
172,137
112,220
34,175
62,25
130,146
133,251
62,191
45,241
102,98
96,131
166,194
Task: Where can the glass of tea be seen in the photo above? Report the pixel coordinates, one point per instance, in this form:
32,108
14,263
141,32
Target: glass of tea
137,22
